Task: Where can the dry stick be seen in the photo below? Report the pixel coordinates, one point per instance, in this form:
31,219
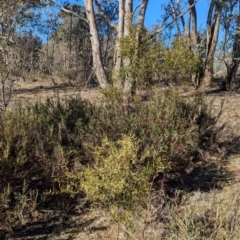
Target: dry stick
88,79
6,102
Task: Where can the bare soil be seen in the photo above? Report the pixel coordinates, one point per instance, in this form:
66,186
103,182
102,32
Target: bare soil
31,92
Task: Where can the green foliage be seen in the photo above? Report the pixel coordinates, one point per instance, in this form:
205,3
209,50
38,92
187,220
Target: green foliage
143,54
117,176
38,144
179,60
40,141
72,148
147,58
165,127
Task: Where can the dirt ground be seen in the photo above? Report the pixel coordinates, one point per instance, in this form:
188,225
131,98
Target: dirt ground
29,92
55,224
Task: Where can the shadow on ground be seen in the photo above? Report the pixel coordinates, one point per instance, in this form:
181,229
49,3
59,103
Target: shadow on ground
202,178
209,173
232,147
40,88
53,226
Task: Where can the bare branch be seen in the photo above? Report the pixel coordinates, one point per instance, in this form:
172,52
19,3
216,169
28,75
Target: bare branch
177,17
100,11
69,11
135,9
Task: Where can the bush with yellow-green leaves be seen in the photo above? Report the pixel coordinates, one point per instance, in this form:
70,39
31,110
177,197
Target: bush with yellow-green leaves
148,57
144,54
118,175
180,61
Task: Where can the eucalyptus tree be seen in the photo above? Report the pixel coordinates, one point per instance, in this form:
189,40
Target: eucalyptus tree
231,42
27,52
95,42
69,45
126,13
215,9
89,17
212,32
12,14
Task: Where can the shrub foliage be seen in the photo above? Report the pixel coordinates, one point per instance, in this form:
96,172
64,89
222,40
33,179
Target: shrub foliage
180,61
72,147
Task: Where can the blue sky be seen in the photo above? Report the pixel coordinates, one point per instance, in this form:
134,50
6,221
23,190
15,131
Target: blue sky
154,12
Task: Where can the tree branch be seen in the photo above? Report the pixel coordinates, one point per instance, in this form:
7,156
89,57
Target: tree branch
69,11
100,11
176,18
135,9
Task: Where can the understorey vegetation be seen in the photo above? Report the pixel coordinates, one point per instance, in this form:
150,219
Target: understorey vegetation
99,155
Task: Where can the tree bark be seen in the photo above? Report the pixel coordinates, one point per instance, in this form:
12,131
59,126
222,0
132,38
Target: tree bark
233,67
96,50
118,81
127,82
142,13
213,25
193,12
124,24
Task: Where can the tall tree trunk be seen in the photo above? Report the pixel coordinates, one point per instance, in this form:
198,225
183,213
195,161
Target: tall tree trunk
124,24
142,13
192,34
140,27
213,24
193,13
129,81
118,81
127,86
233,67
96,50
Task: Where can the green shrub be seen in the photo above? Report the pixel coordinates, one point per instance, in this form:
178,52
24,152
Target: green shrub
38,143
72,147
117,175
165,126
36,133
144,55
180,61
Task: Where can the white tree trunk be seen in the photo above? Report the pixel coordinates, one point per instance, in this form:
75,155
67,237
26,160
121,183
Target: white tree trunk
96,50
128,16
193,12
127,86
213,26
118,59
